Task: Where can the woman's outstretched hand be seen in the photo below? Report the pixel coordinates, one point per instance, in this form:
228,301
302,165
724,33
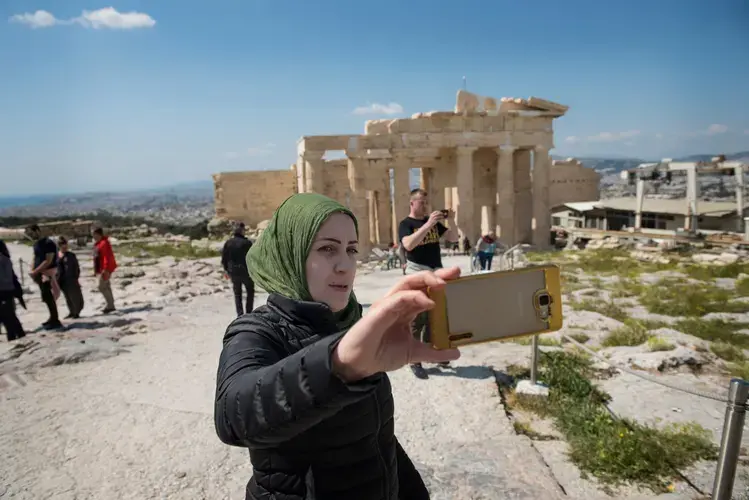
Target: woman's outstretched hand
382,340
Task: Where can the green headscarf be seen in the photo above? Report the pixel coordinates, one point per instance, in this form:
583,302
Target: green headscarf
277,261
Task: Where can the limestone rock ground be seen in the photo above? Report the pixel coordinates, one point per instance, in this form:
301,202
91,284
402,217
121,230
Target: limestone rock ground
120,406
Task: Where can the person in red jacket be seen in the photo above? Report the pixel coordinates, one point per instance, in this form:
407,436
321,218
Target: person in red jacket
104,266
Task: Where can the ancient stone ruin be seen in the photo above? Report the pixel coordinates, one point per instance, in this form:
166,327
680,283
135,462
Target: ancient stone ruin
487,160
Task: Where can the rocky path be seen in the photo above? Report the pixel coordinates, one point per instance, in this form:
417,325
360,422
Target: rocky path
135,420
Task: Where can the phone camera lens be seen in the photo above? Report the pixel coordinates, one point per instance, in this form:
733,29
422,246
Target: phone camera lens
544,300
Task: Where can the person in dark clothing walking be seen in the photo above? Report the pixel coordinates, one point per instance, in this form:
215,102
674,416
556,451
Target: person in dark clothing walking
10,289
68,273
234,262
44,274
302,380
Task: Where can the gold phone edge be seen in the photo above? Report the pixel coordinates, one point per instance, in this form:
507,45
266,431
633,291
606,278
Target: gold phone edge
438,321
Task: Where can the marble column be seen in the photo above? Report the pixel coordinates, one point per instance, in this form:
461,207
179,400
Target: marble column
359,204
372,211
523,196
465,202
449,197
541,208
505,207
424,179
384,212
401,191
301,175
314,171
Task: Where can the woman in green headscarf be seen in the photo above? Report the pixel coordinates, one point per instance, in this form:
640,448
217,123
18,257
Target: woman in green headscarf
301,380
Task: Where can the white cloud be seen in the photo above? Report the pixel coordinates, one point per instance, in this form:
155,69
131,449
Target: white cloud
379,109
39,19
573,139
715,129
106,18
746,132
659,136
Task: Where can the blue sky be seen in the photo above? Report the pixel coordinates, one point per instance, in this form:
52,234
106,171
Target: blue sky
149,93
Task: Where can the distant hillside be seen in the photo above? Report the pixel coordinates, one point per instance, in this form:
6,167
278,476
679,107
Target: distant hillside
616,165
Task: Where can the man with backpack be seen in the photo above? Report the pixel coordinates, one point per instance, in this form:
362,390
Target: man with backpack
234,262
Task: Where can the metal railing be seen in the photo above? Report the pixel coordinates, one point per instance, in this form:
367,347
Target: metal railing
511,253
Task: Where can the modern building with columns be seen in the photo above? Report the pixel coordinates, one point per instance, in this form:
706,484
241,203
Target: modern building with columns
488,162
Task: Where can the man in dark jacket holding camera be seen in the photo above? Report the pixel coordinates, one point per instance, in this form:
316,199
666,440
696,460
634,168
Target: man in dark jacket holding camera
419,235
234,262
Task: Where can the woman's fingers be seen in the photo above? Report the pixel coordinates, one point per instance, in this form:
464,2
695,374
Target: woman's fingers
426,279
425,353
448,273
398,307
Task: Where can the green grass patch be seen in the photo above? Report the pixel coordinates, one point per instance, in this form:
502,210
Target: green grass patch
578,337
616,262
546,256
657,344
715,330
710,272
631,334
739,369
727,352
679,298
605,307
571,282
742,287
616,451
176,250
542,341
626,287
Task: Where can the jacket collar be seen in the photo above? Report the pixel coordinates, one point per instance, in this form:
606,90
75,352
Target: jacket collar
316,315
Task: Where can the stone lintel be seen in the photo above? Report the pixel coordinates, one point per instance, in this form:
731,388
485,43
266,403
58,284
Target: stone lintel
358,145
323,143
309,155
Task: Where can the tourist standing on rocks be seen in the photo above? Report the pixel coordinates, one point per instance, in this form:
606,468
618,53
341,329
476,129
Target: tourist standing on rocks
301,380
104,266
44,274
68,273
10,289
234,262
420,235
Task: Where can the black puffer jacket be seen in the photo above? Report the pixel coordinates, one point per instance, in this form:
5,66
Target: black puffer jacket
310,435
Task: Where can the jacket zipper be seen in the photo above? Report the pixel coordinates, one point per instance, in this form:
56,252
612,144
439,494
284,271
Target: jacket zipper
379,451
